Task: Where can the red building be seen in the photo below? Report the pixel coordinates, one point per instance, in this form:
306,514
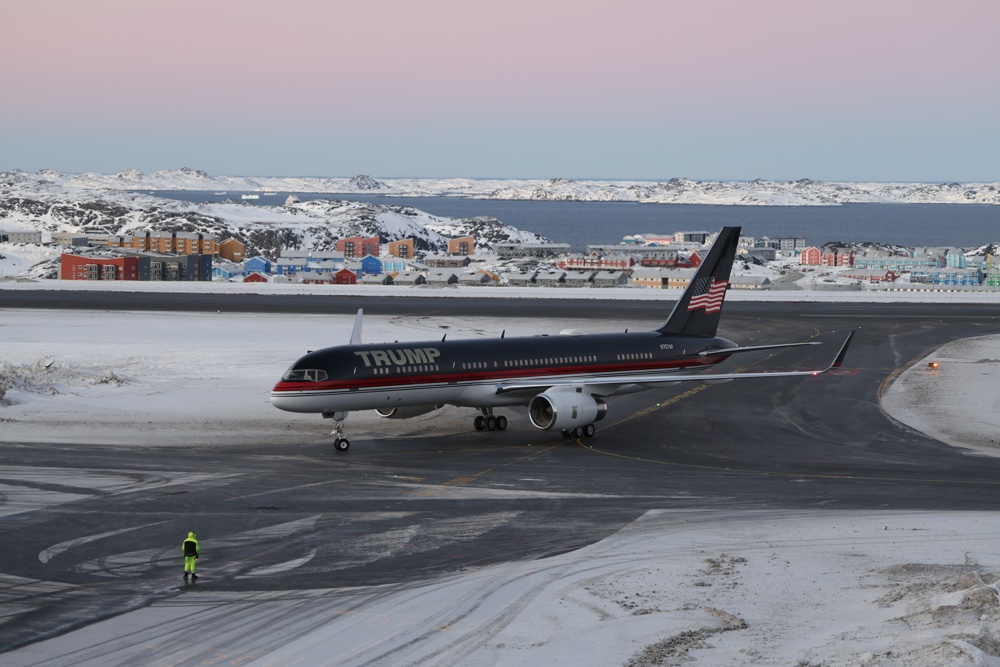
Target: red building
255,277
837,258
357,247
810,256
345,277
673,261
83,267
616,263
813,256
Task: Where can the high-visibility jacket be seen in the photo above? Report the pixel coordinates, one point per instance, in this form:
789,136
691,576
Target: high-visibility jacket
190,546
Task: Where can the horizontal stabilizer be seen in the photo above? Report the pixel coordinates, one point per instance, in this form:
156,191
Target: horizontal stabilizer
754,348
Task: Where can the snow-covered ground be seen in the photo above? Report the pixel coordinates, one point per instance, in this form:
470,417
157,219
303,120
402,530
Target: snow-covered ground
874,295
17,258
803,588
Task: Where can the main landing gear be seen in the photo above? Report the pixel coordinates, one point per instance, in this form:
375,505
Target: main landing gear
587,431
489,422
340,443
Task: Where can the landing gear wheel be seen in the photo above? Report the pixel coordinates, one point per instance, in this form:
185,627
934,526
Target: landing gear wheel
491,423
501,423
340,443
589,430
566,433
578,432
480,423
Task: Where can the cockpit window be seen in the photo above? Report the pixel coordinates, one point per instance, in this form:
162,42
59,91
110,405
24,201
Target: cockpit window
304,375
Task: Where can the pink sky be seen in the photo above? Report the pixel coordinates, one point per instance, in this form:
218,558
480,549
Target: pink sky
150,72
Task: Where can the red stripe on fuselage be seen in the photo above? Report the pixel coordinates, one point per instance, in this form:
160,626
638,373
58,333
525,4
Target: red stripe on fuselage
493,375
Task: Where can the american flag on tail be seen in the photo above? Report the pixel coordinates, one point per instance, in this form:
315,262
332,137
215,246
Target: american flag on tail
708,293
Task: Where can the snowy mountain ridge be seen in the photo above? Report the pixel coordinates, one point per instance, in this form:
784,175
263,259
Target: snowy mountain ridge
758,192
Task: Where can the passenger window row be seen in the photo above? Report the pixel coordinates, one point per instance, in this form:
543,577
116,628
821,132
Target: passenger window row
403,370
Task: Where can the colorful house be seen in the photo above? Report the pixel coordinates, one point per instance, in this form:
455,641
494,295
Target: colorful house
371,265
465,245
810,256
89,267
358,246
224,270
258,263
403,249
947,276
345,277
231,249
392,264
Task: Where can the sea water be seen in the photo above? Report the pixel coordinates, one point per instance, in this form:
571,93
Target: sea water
582,223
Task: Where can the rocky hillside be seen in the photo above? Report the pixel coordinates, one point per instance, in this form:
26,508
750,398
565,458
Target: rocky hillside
38,203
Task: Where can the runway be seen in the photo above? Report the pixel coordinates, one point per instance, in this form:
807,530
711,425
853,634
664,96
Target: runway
300,518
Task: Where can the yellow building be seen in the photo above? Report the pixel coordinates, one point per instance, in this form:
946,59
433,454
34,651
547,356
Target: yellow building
462,246
232,250
402,249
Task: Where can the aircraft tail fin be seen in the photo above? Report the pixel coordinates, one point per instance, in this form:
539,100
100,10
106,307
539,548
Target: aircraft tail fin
698,310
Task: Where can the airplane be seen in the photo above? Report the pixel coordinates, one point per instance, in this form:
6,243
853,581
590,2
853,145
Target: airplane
564,380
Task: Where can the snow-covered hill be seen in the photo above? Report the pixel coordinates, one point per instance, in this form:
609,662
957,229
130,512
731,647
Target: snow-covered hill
803,192
51,202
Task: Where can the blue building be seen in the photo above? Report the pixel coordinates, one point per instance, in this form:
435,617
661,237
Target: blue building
224,270
294,262
392,264
258,263
955,259
956,277
289,266
884,261
371,266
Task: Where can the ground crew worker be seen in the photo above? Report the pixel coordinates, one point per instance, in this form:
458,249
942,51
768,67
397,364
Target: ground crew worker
191,553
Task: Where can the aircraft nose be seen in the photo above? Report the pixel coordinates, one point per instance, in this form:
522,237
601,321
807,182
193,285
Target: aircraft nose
292,399
281,400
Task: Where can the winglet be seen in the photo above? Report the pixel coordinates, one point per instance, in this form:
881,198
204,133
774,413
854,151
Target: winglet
356,334
843,351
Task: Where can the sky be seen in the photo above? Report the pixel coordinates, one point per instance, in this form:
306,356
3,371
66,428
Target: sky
891,90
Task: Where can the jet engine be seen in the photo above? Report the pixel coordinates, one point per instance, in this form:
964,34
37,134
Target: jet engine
407,413
565,408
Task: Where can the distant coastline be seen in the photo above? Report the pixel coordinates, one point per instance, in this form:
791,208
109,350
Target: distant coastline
562,211
758,192
604,223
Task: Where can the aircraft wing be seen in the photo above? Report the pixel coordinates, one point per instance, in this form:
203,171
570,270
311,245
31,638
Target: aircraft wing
650,380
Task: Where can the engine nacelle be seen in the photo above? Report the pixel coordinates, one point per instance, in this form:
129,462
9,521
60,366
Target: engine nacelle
407,413
564,408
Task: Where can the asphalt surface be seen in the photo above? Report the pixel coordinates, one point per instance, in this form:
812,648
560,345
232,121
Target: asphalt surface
303,517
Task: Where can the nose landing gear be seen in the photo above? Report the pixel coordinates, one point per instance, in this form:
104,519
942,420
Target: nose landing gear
340,443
